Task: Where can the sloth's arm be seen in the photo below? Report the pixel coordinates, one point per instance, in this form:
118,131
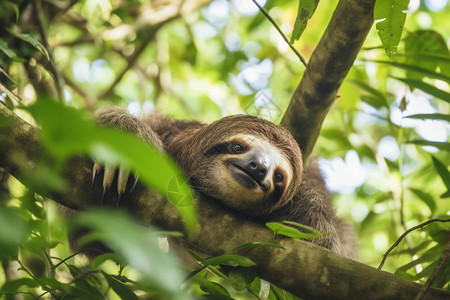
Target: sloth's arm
124,121
121,119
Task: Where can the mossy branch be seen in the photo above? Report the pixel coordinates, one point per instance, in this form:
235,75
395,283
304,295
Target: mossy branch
302,268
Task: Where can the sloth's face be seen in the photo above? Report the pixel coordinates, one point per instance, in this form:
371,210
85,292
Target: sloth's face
247,173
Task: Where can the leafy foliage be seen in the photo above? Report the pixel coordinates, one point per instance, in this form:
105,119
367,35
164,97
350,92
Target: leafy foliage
138,246
282,229
390,16
65,133
306,9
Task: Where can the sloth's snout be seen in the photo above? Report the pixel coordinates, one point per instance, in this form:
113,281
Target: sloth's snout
257,169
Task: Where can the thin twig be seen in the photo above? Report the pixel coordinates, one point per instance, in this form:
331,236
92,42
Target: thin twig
264,11
63,261
436,270
401,193
83,40
59,82
405,234
38,280
131,60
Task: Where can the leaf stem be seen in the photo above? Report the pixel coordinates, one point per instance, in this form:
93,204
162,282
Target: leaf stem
264,11
421,225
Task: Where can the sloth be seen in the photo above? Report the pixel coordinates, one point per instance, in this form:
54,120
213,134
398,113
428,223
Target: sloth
244,162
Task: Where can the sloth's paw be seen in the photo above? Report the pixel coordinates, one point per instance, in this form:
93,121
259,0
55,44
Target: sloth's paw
108,183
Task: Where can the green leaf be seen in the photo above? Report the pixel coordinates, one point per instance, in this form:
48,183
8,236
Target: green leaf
6,50
38,243
308,228
291,232
74,270
439,232
138,246
51,284
250,245
415,69
446,194
214,288
264,291
215,297
306,9
440,145
427,88
426,272
379,99
17,230
390,18
432,255
122,290
85,290
443,172
31,39
428,256
406,275
427,49
426,198
430,117
261,290
443,277
67,132
230,260
279,293
195,272
15,285
99,260
6,7
437,57
337,135
240,278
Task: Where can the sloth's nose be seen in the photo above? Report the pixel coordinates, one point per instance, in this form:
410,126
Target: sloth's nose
257,169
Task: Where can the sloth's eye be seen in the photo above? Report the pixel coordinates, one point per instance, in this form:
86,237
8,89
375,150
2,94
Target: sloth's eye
278,177
237,147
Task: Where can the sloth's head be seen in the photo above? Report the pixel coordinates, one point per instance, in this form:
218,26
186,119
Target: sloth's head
247,163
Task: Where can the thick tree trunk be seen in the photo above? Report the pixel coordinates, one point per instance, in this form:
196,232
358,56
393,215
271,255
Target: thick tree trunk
326,70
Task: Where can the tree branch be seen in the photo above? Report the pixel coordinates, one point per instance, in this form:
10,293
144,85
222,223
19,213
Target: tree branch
421,225
153,17
265,13
131,61
327,68
59,82
436,270
302,268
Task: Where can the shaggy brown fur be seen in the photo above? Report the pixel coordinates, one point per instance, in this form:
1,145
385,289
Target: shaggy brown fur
207,155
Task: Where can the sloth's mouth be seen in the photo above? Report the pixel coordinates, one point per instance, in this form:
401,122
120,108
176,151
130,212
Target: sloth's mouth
246,179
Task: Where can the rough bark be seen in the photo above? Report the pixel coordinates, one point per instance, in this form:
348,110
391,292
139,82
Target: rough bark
326,70
302,268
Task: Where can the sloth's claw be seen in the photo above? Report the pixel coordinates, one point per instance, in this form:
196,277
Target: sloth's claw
95,170
108,178
134,184
122,180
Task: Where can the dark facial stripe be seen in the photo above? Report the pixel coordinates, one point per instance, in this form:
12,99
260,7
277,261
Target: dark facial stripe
227,147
